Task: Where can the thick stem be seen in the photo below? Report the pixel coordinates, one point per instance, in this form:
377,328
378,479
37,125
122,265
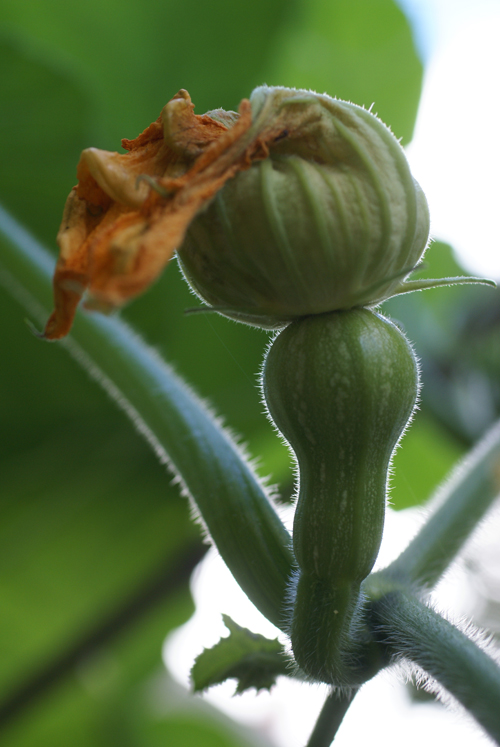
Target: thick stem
334,709
460,506
254,543
407,628
325,631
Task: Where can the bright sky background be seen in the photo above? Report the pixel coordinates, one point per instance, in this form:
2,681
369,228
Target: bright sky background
455,155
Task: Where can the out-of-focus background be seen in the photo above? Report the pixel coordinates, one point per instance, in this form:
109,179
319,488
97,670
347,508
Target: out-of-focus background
92,534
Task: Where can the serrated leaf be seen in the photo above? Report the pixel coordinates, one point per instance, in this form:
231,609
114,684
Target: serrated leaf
250,658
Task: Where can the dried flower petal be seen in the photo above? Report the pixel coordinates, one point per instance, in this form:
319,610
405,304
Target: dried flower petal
128,213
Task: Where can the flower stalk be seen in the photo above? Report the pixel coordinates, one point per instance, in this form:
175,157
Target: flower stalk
330,718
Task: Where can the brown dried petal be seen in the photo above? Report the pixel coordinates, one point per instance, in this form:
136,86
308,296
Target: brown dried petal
130,212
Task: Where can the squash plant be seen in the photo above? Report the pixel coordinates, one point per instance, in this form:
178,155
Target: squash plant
297,213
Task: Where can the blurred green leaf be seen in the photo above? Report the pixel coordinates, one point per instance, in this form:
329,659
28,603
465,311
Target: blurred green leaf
92,707
426,455
165,713
45,123
250,658
180,428
187,731
134,56
358,50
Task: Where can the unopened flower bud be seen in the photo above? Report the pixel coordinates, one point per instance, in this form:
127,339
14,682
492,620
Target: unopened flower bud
298,204
331,219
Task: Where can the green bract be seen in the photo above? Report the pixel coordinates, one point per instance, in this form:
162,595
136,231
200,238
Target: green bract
331,219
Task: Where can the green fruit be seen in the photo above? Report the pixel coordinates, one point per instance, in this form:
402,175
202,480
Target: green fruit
341,388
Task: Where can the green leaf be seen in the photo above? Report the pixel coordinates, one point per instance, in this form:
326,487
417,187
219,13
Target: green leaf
45,123
356,50
136,55
427,443
89,707
250,658
177,718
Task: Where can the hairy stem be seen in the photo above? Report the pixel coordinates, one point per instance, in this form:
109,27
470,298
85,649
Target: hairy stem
408,628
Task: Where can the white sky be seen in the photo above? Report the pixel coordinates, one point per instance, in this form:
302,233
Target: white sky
455,155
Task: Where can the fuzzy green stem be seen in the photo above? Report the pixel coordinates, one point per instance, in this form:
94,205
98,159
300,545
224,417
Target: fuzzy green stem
252,541
407,628
325,630
332,714
459,507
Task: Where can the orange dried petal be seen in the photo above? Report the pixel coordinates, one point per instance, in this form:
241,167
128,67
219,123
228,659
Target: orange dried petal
147,136
118,231
135,250
185,132
71,275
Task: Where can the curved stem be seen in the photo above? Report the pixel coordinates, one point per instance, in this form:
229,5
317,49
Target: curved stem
406,627
334,709
459,507
212,470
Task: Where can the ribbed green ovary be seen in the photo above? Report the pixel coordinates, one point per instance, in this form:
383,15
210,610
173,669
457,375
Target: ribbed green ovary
341,388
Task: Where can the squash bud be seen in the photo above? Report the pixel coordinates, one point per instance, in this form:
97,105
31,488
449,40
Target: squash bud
331,219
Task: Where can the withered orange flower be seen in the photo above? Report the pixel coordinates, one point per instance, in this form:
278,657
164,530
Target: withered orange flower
129,212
